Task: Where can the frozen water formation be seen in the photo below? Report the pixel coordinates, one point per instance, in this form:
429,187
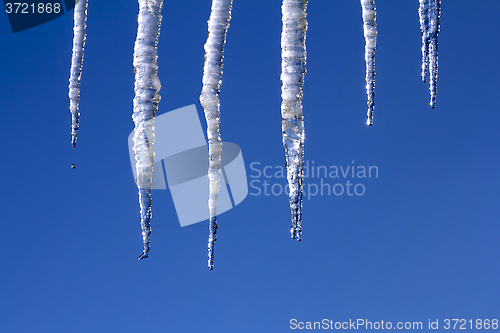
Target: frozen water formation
147,97
369,14
293,70
79,30
429,12
218,24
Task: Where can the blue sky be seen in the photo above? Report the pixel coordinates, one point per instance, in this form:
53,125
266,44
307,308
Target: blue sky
421,243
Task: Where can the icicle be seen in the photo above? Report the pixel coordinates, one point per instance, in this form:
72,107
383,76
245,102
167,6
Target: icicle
147,97
293,70
80,16
424,28
218,24
370,33
429,12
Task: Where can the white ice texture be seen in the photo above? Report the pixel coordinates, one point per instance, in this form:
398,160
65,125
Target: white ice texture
218,24
429,12
369,13
293,70
79,30
147,97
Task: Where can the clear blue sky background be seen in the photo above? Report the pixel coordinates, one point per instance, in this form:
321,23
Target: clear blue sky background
422,242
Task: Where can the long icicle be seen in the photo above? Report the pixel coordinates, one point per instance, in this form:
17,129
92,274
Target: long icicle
369,13
429,13
79,31
147,97
218,24
293,70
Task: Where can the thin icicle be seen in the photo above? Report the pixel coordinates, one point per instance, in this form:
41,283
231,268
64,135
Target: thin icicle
79,29
429,12
218,24
293,70
370,32
147,97
424,28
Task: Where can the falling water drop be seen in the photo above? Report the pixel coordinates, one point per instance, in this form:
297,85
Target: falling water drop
369,13
293,70
429,13
218,24
147,97
79,29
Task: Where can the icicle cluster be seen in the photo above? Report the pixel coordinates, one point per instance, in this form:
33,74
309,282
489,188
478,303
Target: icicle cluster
370,32
429,12
147,97
218,24
79,30
293,70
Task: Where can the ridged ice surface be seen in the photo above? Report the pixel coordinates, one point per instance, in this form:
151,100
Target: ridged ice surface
429,12
369,13
79,30
293,70
218,24
147,97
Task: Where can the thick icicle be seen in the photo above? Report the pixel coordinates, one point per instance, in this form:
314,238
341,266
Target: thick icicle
429,12
79,30
218,24
147,97
370,32
293,70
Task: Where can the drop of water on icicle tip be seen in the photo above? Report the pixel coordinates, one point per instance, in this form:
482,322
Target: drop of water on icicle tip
73,166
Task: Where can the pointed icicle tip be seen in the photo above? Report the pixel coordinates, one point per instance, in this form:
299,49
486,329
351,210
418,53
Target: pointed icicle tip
212,228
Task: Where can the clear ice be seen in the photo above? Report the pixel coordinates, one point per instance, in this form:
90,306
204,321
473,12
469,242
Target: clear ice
79,29
147,97
218,24
429,13
369,13
293,70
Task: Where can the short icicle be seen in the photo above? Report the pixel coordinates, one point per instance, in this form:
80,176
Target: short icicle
147,97
429,13
79,31
293,70
369,13
218,24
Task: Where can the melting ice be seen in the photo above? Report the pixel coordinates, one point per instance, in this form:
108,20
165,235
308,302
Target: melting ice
218,24
79,29
429,12
370,32
147,97
293,70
